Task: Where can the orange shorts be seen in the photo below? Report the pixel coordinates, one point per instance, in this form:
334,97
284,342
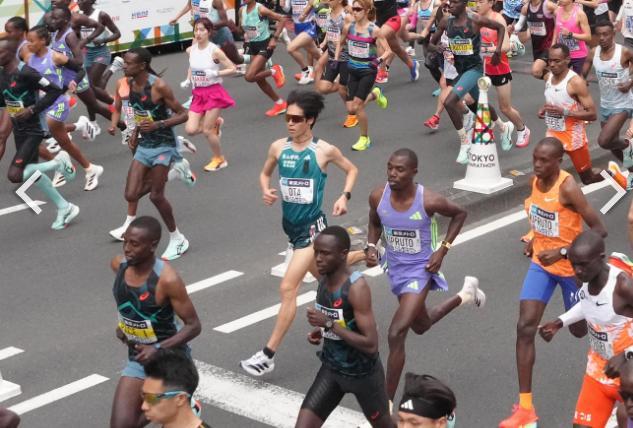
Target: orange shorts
580,158
595,403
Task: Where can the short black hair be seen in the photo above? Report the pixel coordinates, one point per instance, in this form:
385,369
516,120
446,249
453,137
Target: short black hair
409,154
149,224
341,235
431,390
18,22
554,143
310,102
65,11
145,56
10,45
42,32
175,369
562,47
605,23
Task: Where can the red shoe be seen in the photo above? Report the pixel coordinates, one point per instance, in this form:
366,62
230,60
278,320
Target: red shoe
433,122
278,75
277,109
298,75
520,418
382,76
72,102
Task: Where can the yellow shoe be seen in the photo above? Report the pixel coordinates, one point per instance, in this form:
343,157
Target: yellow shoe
381,100
216,164
350,121
362,144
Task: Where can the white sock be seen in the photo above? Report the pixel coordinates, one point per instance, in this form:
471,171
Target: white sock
466,298
89,169
172,174
174,235
280,101
500,123
129,219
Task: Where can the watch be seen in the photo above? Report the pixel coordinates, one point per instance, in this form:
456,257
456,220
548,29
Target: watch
446,245
368,246
563,252
348,195
628,353
328,325
157,345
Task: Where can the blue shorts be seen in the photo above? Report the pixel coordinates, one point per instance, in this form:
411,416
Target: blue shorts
466,83
60,110
309,28
222,36
540,284
151,157
97,55
133,369
606,113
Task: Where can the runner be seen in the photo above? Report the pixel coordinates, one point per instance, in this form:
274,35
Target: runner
209,96
463,31
625,410
556,209
305,30
156,112
572,30
403,212
511,13
612,62
501,77
426,401
362,37
171,379
606,303
302,159
149,295
568,107
259,47
624,22
344,319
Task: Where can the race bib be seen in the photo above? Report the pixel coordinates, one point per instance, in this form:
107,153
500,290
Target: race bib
14,107
200,79
128,113
298,7
487,49
544,222
537,28
250,31
570,42
138,331
358,49
297,190
141,116
555,122
403,240
599,342
321,19
608,80
628,23
333,34
461,46
86,32
336,315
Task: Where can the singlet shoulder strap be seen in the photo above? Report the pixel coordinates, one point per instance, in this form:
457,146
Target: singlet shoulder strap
151,79
384,192
355,276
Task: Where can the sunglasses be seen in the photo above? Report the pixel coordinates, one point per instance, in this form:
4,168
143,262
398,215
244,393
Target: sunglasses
357,9
153,399
295,118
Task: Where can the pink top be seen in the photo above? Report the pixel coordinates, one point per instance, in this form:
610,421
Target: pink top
577,48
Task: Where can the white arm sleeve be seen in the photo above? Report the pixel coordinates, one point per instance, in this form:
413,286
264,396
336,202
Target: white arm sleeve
521,23
573,315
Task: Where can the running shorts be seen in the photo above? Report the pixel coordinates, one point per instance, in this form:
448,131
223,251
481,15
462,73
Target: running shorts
302,235
576,64
500,79
540,284
222,36
83,85
155,156
26,148
340,70
259,48
581,158
595,403
309,28
466,83
606,113
329,387
360,82
394,22
97,55
60,110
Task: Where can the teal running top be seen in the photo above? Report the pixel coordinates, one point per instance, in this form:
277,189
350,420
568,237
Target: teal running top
255,27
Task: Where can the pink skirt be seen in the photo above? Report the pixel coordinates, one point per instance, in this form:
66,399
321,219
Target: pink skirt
207,98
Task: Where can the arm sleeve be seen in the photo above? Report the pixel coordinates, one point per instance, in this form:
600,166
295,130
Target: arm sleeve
573,315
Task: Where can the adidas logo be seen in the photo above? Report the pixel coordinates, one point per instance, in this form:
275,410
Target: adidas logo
408,405
416,216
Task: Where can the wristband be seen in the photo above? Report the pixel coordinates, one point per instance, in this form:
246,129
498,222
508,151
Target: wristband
628,353
157,345
368,246
446,245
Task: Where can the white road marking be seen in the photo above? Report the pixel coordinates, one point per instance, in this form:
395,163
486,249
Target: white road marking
258,316
58,394
260,401
9,352
213,281
20,207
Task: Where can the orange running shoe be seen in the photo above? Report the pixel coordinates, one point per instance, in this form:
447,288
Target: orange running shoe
382,76
216,164
277,109
616,173
350,121
278,75
520,418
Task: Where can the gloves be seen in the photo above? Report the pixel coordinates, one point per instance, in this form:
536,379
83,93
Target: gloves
185,84
211,73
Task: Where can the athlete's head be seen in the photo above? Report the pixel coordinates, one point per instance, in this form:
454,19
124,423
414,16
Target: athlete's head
626,386
38,38
202,29
484,6
402,167
137,61
330,249
302,112
141,239
547,156
171,379
457,7
64,4
558,59
16,27
606,34
59,18
85,5
426,403
8,49
363,9
586,255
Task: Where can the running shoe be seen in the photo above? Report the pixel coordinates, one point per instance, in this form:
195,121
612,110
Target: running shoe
72,102
472,293
462,157
187,103
506,136
217,163
92,177
469,121
117,64
382,76
616,173
183,169
362,144
82,125
433,122
437,92
350,121
277,109
119,231
65,165
415,70
96,129
126,135
176,248
520,418
185,146
65,216
258,365
627,153
58,179
410,51
284,37
52,145
523,138
381,100
307,77
278,75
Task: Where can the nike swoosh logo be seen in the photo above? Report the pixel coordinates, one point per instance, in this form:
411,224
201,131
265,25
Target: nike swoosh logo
601,304
551,199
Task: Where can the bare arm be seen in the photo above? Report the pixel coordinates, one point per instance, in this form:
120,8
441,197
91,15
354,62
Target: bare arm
76,48
224,21
228,68
167,95
434,203
184,10
382,43
586,67
341,40
366,340
578,88
584,26
572,197
78,20
334,155
374,227
435,38
116,114
112,27
269,194
115,263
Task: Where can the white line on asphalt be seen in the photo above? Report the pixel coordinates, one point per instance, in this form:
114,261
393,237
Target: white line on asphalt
20,207
258,316
213,281
58,394
9,352
260,401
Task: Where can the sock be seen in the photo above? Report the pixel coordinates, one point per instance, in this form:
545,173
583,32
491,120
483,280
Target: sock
525,400
247,58
280,101
172,174
269,63
268,352
500,123
46,185
89,169
174,235
466,298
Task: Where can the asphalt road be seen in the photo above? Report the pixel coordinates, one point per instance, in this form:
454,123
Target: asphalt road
55,288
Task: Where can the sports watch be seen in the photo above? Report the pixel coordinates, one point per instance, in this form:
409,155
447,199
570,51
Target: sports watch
328,325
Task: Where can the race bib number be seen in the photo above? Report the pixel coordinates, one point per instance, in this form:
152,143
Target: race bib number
297,190
141,116
599,342
336,315
203,12
544,222
200,79
537,28
14,107
129,116
321,19
555,122
461,46
138,331
358,49
628,23
608,80
487,49
298,7
333,35
571,43
250,31
403,240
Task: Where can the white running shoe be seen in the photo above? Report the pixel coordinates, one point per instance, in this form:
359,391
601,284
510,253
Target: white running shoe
82,126
58,179
410,51
117,64
470,292
306,77
126,134
469,121
185,146
176,248
462,157
284,36
96,129
258,365
92,177
183,170
52,145
119,231
506,136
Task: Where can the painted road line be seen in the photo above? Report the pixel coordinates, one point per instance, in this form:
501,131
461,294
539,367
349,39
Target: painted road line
258,316
260,401
20,207
213,281
9,352
58,394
